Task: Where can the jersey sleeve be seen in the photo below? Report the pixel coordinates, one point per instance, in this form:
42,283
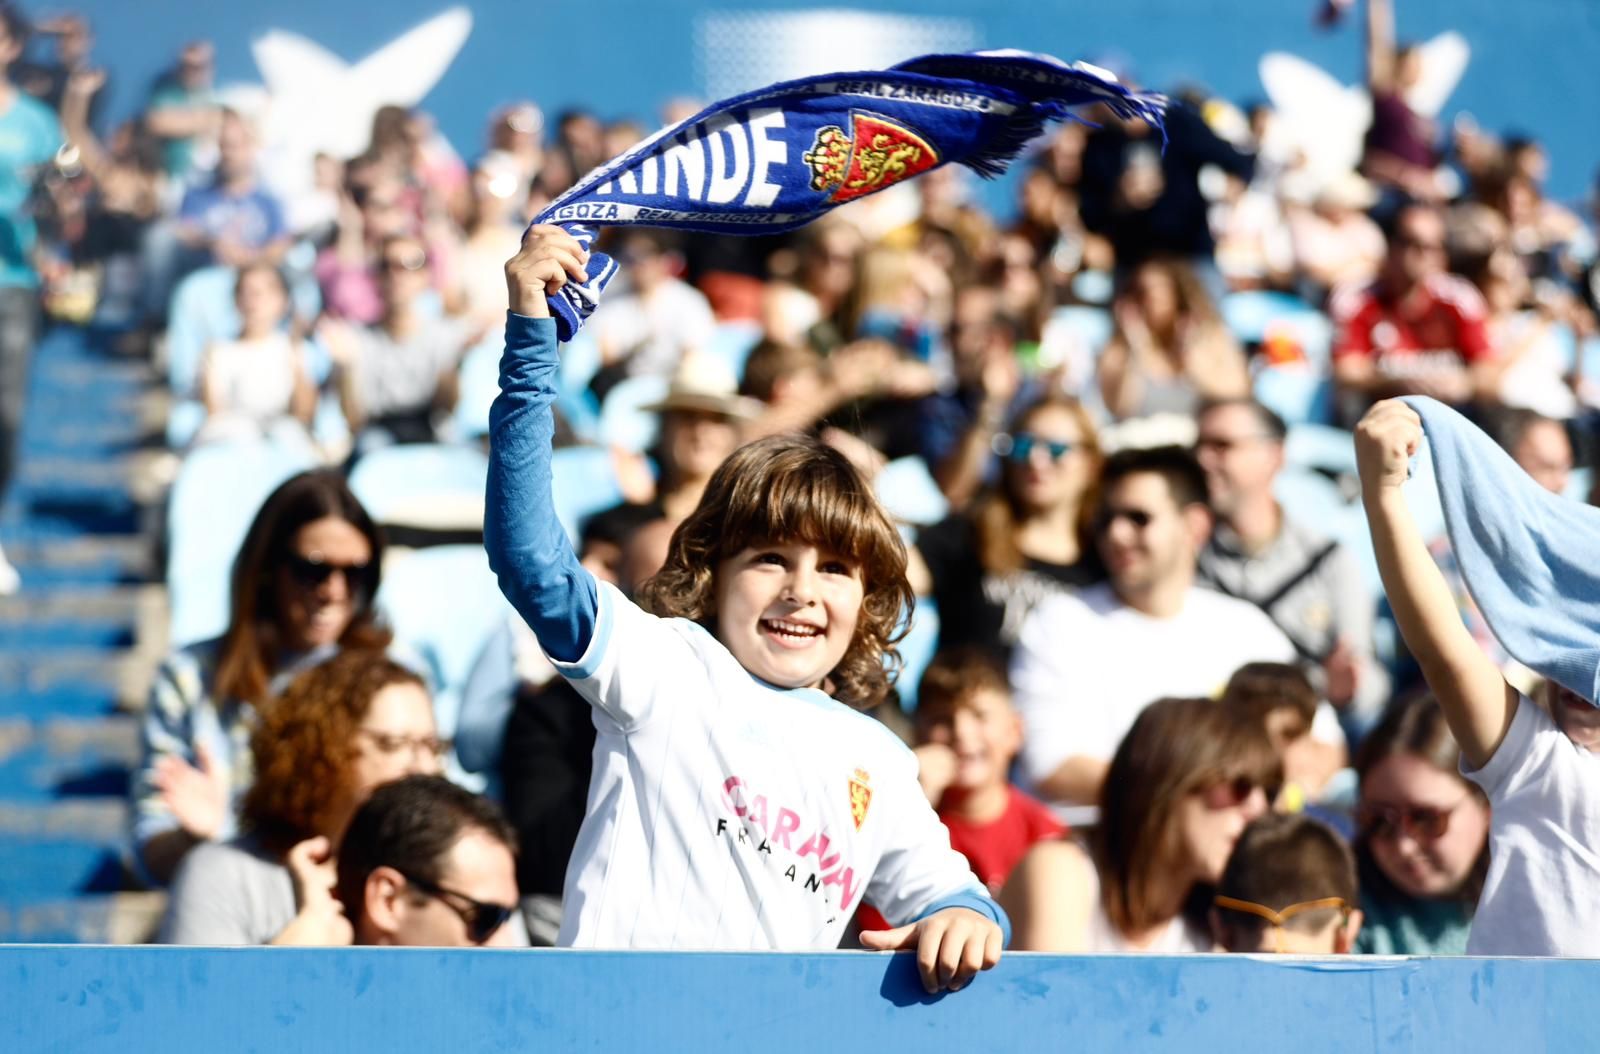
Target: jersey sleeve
528,548
1352,328
633,662
919,873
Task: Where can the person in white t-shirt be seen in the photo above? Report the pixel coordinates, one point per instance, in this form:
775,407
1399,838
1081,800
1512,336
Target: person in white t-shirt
1086,665
1538,766
739,799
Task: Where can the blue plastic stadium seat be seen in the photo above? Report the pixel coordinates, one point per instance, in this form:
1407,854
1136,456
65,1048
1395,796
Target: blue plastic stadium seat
1324,447
217,493
917,650
479,378
732,342
1091,325
430,484
1248,313
622,422
202,312
1298,394
908,492
584,481
443,604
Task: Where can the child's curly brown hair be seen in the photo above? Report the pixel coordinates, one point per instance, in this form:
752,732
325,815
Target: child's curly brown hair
791,488
304,742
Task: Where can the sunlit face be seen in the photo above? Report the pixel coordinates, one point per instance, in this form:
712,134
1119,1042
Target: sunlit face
695,443
1545,453
319,582
1239,457
477,868
1412,795
260,299
1157,296
787,611
1146,538
1049,477
1211,819
1419,244
1574,716
396,738
984,732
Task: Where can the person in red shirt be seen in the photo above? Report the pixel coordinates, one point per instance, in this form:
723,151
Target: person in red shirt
968,734
1417,330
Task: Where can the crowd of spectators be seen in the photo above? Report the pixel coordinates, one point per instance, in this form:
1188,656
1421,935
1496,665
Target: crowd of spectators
1164,713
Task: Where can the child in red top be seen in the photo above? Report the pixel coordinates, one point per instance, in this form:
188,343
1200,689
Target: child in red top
968,734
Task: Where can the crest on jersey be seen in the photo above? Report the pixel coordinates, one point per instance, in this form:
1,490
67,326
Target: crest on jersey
860,797
874,154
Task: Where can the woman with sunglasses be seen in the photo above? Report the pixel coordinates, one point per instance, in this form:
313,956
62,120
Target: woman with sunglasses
1186,780
987,568
1422,839
302,587
337,733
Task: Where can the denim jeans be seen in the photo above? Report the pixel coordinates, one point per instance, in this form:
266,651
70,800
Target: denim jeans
19,326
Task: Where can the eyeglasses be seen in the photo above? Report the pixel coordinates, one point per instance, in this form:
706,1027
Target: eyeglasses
1232,793
482,920
1223,446
1276,919
1140,518
310,572
395,742
1407,241
1422,822
1019,446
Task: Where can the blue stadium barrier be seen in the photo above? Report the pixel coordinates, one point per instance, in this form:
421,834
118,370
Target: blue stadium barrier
130,1000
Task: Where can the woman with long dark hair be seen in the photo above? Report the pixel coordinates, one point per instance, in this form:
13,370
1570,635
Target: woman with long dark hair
1186,780
1422,841
302,587
989,566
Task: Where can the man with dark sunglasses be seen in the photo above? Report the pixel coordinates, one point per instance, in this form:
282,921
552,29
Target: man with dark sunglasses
427,863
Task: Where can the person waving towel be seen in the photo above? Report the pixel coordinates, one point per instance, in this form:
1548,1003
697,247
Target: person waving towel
1531,561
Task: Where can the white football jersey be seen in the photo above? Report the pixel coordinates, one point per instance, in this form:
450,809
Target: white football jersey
728,814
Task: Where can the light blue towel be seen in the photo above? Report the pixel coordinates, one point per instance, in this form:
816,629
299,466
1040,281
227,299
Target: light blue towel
1530,558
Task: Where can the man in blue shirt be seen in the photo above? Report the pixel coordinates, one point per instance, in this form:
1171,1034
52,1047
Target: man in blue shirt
232,220
29,138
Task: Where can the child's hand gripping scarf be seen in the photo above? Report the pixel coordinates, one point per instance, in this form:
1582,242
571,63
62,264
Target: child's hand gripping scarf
1530,558
775,159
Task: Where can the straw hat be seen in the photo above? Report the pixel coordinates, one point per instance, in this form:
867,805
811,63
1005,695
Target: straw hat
704,384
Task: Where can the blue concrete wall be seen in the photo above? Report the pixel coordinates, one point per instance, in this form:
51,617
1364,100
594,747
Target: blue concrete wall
164,1000
1532,67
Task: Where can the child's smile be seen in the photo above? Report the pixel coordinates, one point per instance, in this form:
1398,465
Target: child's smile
787,611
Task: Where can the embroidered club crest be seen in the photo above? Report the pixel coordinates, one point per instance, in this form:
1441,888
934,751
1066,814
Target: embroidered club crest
876,153
860,797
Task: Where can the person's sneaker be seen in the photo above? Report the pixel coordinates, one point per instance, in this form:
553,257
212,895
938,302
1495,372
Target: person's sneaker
10,581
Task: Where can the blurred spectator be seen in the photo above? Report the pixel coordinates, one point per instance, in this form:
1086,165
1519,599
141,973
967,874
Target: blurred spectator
493,236
1335,242
1417,330
338,732
29,138
958,424
580,138
1422,836
1254,248
427,864
1025,540
348,271
302,587
700,419
1169,350
1145,198
182,111
1086,665
47,81
517,131
1289,887
968,734
649,327
1186,780
1400,152
1281,698
1526,329
398,375
1311,587
258,385
233,221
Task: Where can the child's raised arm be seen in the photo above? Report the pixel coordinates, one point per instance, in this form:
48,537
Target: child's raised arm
1477,701
527,547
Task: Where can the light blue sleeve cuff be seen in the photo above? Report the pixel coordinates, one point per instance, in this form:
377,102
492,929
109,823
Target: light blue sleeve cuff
972,900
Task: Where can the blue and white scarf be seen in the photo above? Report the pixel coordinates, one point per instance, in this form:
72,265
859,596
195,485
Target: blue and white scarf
775,159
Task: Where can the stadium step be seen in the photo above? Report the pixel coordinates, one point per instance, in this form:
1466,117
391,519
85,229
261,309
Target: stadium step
47,761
